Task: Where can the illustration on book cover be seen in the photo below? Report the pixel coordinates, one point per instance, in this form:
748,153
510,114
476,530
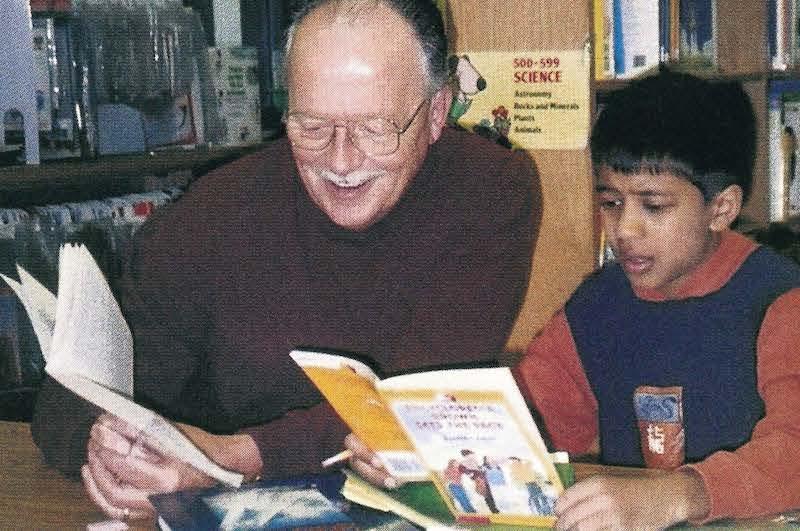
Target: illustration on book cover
475,447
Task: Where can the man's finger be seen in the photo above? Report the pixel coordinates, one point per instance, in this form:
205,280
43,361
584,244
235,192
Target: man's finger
140,473
120,513
118,425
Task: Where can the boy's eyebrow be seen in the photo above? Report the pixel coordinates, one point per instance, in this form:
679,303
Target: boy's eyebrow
601,188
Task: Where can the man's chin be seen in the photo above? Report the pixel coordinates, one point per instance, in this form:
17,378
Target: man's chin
353,221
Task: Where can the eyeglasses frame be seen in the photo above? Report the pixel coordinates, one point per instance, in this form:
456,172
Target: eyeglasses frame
399,130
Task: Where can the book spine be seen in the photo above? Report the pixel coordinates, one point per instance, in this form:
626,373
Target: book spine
600,42
714,33
610,39
663,30
640,28
775,165
674,29
786,34
795,28
619,43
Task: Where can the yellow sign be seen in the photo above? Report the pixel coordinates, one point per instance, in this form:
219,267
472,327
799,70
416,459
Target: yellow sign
528,100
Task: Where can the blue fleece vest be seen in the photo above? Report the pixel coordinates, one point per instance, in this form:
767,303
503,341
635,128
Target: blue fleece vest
706,345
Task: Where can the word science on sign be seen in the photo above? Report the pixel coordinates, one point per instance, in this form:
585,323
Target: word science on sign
526,100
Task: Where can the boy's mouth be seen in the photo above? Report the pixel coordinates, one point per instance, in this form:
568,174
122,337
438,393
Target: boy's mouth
636,265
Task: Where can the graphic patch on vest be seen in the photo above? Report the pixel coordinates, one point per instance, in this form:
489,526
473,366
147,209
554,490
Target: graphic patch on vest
659,413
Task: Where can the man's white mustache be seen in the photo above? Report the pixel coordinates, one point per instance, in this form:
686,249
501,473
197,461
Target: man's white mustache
352,179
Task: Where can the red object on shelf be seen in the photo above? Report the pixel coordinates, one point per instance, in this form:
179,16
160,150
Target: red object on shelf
51,6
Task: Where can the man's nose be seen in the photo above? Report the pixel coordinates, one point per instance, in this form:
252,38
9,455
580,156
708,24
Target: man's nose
345,156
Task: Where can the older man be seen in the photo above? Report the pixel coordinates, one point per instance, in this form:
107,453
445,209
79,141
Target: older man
369,229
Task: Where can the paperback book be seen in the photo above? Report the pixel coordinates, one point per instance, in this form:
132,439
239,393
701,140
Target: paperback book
468,431
88,348
309,503
637,47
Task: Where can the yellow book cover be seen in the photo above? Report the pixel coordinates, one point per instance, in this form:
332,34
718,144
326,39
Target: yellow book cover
467,430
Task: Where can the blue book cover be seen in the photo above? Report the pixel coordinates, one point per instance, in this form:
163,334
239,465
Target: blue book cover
619,44
308,502
697,31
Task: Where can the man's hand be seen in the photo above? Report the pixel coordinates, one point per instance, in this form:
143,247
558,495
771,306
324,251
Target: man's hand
366,463
628,502
123,467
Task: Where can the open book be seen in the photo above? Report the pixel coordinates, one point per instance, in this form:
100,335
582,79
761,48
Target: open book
88,348
467,430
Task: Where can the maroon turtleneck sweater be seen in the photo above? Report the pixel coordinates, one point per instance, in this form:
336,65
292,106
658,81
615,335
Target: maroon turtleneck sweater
244,268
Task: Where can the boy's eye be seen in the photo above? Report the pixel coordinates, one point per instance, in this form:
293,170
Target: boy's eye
655,208
608,203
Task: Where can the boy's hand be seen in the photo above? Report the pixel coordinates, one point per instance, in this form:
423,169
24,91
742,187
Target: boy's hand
366,463
628,502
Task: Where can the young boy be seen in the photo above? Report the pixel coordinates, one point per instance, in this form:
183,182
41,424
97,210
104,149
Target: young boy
684,349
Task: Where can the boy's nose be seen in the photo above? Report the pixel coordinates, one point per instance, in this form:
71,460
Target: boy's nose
345,156
630,225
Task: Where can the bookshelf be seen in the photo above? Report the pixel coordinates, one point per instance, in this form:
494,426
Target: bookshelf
566,249
54,182
742,54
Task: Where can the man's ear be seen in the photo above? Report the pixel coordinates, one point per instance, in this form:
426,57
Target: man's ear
725,207
438,111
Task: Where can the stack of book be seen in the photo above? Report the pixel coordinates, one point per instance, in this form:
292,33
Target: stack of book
784,144
784,37
633,37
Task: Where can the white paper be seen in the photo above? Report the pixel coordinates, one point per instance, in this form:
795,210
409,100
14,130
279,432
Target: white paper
89,350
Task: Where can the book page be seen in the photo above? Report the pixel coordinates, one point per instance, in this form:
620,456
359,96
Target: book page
167,437
473,430
359,491
39,304
349,386
91,337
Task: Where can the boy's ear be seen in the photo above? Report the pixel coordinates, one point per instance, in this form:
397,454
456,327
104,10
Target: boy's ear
725,208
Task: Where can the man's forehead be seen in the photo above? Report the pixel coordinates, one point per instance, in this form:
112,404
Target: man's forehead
342,69
378,34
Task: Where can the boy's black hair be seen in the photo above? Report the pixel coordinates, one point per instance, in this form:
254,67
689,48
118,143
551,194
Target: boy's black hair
672,122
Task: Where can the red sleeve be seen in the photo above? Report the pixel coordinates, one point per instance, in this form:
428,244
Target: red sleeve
763,476
552,376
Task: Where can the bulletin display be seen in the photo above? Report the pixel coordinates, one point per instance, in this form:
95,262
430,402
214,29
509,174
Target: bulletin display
524,99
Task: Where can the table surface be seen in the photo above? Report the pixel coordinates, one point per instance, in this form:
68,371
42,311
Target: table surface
34,496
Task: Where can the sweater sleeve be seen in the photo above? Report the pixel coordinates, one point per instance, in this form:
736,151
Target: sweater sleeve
286,453
552,377
763,476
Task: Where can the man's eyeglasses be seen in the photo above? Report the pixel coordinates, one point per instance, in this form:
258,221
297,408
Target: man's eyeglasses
371,136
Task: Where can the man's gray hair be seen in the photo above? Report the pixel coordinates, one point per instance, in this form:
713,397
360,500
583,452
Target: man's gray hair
423,16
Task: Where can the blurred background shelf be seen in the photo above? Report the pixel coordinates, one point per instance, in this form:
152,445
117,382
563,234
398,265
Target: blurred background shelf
64,181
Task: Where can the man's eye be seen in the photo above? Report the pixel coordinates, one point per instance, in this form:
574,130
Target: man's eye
375,128
315,128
